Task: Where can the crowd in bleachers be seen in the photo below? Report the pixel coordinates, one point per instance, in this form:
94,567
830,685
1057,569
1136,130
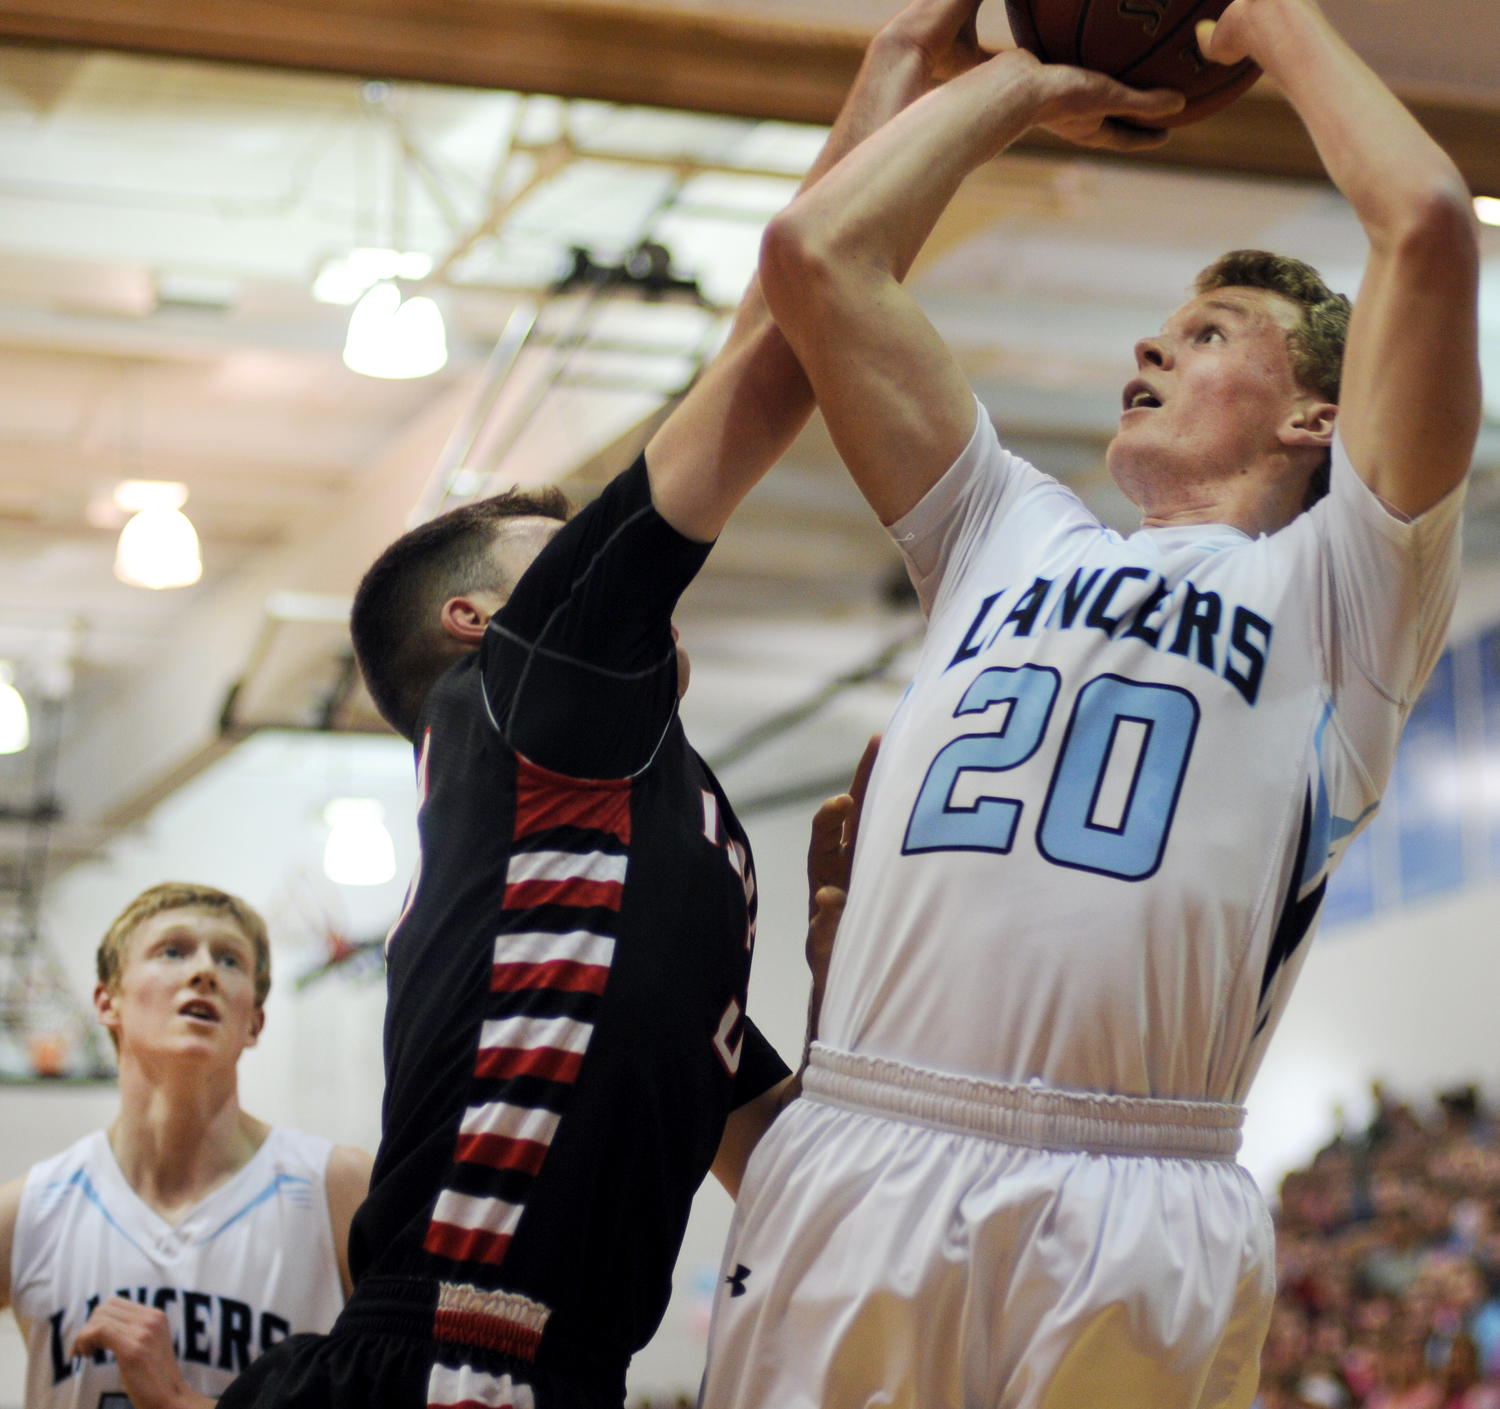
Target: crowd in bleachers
1388,1266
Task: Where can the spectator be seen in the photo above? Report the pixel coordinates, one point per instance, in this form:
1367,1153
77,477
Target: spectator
1462,1382
1388,1264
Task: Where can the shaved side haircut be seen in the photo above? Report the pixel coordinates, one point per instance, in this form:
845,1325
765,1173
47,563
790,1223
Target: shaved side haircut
399,641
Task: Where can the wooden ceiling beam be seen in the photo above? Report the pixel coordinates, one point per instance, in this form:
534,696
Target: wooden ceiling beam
722,61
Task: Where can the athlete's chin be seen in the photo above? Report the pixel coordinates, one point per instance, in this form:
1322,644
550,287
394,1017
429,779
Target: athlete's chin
187,1048
1128,461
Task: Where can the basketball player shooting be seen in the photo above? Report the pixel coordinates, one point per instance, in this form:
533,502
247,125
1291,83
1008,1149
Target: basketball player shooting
1102,820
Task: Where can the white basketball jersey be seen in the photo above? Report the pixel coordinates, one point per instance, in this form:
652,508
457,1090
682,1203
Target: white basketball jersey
1102,819
250,1265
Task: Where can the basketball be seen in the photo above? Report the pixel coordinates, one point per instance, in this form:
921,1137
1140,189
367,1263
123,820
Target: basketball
1145,43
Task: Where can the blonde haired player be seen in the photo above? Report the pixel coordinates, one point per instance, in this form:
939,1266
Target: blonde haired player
158,1258
1103,817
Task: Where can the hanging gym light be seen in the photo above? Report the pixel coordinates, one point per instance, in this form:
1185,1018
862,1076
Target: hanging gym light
345,278
395,338
158,547
359,851
15,726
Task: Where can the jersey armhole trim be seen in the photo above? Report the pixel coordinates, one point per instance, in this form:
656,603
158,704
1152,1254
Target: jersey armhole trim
565,779
557,611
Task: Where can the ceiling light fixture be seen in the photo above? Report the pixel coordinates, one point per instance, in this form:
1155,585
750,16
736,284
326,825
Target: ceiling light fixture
15,726
359,850
392,338
345,278
158,548
1487,208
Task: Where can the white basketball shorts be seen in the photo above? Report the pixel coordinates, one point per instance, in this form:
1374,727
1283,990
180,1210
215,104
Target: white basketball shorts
909,1238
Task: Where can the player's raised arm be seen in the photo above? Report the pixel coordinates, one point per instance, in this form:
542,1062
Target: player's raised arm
1409,405
897,405
749,405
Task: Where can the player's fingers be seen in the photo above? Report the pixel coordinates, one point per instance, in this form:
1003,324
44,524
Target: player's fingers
826,864
863,769
1126,137
1214,43
857,792
829,901
822,930
98,1333
828,825
1143,104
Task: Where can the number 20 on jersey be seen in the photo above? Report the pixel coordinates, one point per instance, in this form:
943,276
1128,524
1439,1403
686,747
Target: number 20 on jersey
1114,789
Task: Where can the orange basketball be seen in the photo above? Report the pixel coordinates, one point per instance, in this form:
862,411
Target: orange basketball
1145,43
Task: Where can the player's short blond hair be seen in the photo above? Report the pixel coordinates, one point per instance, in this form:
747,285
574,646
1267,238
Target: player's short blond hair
183,895
1316,343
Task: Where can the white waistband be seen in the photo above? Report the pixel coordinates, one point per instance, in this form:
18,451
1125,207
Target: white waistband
1036,1116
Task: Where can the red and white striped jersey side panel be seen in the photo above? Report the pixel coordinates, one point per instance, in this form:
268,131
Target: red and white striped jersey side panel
564,886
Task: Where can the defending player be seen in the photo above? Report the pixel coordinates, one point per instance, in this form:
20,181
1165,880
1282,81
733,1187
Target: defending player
1103,817
567,1052
189,1236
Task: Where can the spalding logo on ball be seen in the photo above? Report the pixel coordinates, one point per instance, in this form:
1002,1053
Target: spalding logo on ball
1145,43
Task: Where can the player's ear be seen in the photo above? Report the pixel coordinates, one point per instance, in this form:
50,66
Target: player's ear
106,1007
257,1025
1311,423
465,618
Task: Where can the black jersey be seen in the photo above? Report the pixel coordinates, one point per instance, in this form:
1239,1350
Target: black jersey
565,1034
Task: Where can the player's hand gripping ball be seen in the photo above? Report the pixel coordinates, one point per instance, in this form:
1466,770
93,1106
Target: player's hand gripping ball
1145,43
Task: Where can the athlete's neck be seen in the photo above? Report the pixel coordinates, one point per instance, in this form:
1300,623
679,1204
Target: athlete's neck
1261,496
180,1134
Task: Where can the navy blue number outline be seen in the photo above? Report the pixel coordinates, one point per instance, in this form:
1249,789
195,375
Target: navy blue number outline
1062,753
906,848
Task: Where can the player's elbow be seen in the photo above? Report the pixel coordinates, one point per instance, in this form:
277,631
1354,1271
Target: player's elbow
1436,228
795,268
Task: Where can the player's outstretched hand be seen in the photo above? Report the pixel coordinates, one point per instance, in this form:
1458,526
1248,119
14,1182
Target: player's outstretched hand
1096,111
140,1337
830,858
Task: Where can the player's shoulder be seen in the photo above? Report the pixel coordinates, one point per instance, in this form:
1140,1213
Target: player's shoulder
78,1161
349,1165
284,1178
297,1153
1039,514
76,1173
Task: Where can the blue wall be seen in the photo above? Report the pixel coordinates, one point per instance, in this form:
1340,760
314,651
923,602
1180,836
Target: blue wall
1438,829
